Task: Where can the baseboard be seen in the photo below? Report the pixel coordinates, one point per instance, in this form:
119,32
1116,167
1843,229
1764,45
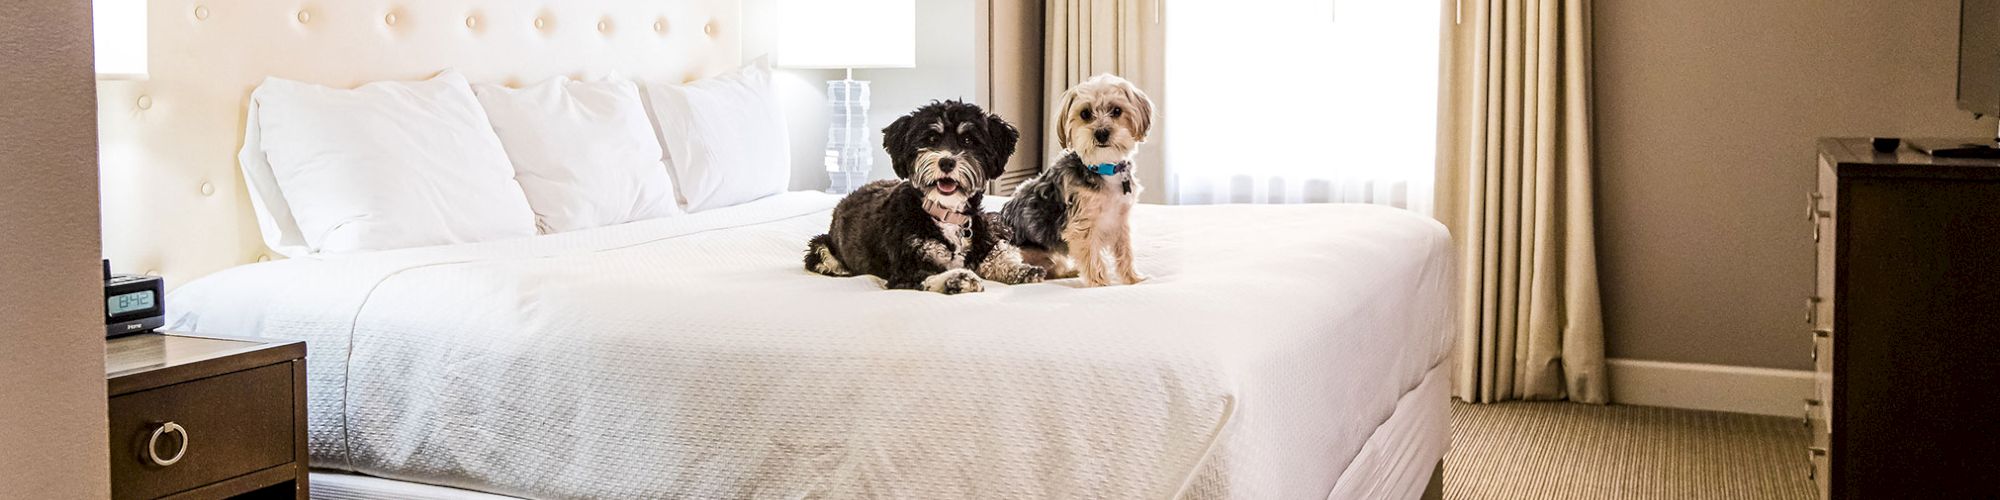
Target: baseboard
1694,386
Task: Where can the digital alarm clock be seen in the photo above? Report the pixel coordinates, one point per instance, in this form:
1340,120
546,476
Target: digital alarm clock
133,303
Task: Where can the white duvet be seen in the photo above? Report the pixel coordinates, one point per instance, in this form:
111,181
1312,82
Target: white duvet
692,357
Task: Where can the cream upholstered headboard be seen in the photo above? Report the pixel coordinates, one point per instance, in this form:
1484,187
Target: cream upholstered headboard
174,203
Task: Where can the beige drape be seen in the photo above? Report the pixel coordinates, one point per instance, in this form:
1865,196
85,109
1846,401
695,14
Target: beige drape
1514,186
1082,38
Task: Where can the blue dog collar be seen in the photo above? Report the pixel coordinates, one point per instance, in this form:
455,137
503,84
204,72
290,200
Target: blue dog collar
1109,168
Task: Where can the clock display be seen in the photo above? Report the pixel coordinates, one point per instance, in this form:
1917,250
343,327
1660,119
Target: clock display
121,304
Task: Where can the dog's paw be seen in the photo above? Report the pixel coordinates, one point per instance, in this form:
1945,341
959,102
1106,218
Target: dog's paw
954,282
1095,277
1031,274
1129,275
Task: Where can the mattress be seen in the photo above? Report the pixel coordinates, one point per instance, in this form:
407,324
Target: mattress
347,486
1392,464
692,357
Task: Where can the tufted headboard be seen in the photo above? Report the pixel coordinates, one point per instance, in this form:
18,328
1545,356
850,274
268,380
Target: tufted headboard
174,202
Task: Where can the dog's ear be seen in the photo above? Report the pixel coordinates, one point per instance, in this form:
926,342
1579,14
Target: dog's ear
1001,137
1142,112
1063,116
901,147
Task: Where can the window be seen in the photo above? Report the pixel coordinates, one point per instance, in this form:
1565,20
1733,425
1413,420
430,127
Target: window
1295,101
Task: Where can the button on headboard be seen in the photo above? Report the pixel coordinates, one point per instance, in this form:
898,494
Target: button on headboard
173,196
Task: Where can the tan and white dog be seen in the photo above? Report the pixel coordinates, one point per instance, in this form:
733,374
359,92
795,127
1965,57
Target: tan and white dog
1076,211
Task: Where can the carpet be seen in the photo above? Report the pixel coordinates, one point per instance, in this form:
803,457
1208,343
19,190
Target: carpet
1554,450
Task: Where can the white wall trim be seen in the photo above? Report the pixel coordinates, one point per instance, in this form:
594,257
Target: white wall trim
1695,386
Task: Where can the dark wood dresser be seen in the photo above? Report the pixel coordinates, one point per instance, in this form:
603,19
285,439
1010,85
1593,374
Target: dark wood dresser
1905,318
199,418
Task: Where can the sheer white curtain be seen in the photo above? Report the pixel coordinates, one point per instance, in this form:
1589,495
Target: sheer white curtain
1293,101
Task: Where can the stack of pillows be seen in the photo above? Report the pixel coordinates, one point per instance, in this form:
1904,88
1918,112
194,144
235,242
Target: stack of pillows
442,161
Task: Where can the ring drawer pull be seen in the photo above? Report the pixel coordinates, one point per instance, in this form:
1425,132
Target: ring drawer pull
153,444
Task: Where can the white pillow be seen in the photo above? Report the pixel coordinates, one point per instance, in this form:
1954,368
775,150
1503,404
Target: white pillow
386,165
584,152
274,216
724,137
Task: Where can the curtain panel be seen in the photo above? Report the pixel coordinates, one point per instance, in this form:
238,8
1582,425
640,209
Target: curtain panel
1515,187
1081,39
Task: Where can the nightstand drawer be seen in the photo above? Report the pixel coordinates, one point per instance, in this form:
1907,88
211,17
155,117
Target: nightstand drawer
231,425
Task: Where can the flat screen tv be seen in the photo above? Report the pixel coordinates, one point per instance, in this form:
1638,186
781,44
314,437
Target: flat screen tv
1979,56
1978,79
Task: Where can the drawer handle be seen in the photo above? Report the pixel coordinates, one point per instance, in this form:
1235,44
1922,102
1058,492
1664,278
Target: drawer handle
1812,310
1822,332
1817,452
1814,214
153,444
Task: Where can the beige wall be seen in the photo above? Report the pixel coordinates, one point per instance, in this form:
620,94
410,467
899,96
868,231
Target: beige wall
52,427
1706,113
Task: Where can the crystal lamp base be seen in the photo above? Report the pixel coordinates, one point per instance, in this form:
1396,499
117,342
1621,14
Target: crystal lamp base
849,154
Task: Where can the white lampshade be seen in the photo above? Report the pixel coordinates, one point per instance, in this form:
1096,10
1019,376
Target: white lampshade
119,27
847,33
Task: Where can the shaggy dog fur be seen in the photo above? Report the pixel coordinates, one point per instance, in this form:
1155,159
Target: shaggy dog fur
1068,216
928,231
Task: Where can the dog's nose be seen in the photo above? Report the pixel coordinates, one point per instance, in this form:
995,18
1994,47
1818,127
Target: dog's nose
1103,136
946,164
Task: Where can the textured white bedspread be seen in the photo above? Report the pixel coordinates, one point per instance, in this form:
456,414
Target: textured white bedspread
693,357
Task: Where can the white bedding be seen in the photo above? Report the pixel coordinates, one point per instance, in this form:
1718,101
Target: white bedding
693,357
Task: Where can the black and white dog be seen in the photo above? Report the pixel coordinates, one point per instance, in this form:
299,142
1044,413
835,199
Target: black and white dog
928,231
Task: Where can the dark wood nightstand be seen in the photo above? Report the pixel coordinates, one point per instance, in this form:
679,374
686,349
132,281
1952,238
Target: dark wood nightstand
197,417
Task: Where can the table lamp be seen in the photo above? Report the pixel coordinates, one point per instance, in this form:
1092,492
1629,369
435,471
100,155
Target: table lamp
118,28
847,34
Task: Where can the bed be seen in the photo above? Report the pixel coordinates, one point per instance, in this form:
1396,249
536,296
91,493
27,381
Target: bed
1279,351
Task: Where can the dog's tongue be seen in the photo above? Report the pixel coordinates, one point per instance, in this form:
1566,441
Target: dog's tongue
947,186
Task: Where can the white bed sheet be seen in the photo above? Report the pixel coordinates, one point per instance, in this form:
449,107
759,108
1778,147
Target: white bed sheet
1397,462
692,357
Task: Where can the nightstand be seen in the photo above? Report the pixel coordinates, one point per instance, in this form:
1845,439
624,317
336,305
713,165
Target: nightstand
197,417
